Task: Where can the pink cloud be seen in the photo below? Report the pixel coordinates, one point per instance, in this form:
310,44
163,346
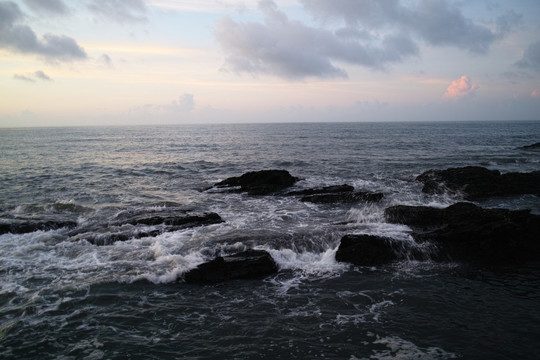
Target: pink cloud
535,93
460,88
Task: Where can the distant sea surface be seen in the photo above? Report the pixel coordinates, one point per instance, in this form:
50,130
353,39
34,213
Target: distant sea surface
63,297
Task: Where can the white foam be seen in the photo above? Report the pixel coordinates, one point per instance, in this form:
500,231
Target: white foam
398,348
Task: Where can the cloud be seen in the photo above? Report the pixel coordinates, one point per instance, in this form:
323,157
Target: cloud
460,88
531,57
106,59
535,94
21,38
436,22
23,78
371,34
175,111
293,50
48,6
121,11
42,76
39,75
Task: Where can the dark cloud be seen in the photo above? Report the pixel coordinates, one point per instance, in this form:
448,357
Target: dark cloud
21,38
373,34
531,57
121,11
291,49
48,6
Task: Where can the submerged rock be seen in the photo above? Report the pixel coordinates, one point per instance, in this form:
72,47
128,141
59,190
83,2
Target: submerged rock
477,183
325,190
466,232
262,182
17,226
245,265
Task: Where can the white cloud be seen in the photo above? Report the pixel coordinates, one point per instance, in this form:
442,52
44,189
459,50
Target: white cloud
460,88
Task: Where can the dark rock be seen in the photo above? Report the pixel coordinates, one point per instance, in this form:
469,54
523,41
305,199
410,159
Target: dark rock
466,232
262,182
176,220
343,197
366,250
535,146
245,265
16,226
477,183
325,190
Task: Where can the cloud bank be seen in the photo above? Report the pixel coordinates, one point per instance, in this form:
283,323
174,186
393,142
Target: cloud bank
371,34
21,38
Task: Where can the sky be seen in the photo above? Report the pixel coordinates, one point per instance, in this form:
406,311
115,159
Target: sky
129,62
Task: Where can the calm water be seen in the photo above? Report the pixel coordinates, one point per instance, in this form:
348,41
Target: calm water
62,297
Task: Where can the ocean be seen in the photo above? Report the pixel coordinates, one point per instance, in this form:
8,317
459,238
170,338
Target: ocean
65,297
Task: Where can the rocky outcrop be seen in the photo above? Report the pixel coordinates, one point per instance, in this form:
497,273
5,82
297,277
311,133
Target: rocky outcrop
478,183
466,232
245,265
262,182
18,226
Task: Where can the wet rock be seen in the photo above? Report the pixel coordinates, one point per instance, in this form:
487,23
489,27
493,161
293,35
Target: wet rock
477,183
343,197
262,182
245,265
466,232
366,250
535,146
17,226
125,228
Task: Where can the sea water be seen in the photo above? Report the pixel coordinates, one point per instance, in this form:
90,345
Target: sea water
63,297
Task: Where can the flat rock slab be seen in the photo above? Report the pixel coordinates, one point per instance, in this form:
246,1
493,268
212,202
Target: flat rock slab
262,182
18,226
343,197
478,183
245,265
